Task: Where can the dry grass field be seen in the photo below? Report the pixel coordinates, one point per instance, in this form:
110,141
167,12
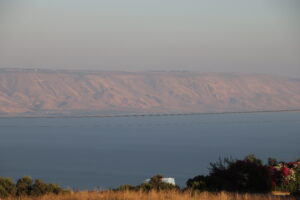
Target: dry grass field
164,195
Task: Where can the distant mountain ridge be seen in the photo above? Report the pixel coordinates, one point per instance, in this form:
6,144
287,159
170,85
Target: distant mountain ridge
76,92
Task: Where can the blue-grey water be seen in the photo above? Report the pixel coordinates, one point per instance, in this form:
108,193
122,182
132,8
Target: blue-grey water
89,153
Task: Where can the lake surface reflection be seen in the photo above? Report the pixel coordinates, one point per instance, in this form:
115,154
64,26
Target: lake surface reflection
89,153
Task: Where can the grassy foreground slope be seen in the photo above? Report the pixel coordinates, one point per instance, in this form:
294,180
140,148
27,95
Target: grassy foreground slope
153,195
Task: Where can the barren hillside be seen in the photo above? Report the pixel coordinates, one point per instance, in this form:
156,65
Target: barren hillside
45,92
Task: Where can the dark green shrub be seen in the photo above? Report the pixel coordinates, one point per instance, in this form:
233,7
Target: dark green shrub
253,159
244,176
198,183
3,192
39,188
7,187
24,186
55,189
248,175
156,183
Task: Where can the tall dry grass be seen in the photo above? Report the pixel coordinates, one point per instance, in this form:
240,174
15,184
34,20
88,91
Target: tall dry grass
153,195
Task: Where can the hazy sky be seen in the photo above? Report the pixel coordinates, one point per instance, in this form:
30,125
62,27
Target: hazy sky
250,36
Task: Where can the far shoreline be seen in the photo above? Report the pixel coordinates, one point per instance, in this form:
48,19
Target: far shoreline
144,114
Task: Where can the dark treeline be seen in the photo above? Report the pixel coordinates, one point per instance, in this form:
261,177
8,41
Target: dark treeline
27,187
249,175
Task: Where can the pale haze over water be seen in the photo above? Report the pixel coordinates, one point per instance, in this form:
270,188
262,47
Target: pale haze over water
259,36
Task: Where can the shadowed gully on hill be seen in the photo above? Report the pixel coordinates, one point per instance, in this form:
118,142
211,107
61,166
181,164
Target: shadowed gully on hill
46,92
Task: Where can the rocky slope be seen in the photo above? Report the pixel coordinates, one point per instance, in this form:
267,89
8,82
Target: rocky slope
46,92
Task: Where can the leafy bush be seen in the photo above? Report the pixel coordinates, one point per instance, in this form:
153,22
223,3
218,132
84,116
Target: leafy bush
3,192
7,187
248,175
286,176
55,189
155,183
26,187
198,183
41,188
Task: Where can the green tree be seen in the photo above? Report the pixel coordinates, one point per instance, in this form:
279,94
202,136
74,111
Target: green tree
24,186
252,158
248,175
197,183
55,189
7,187
3,192
39,188
156,183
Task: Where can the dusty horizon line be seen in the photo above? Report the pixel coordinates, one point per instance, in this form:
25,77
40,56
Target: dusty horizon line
146,114
33,69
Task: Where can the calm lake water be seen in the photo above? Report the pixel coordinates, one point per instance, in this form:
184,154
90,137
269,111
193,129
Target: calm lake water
89,153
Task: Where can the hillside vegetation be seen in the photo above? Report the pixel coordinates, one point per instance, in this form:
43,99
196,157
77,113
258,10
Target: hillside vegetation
46,92
228,179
